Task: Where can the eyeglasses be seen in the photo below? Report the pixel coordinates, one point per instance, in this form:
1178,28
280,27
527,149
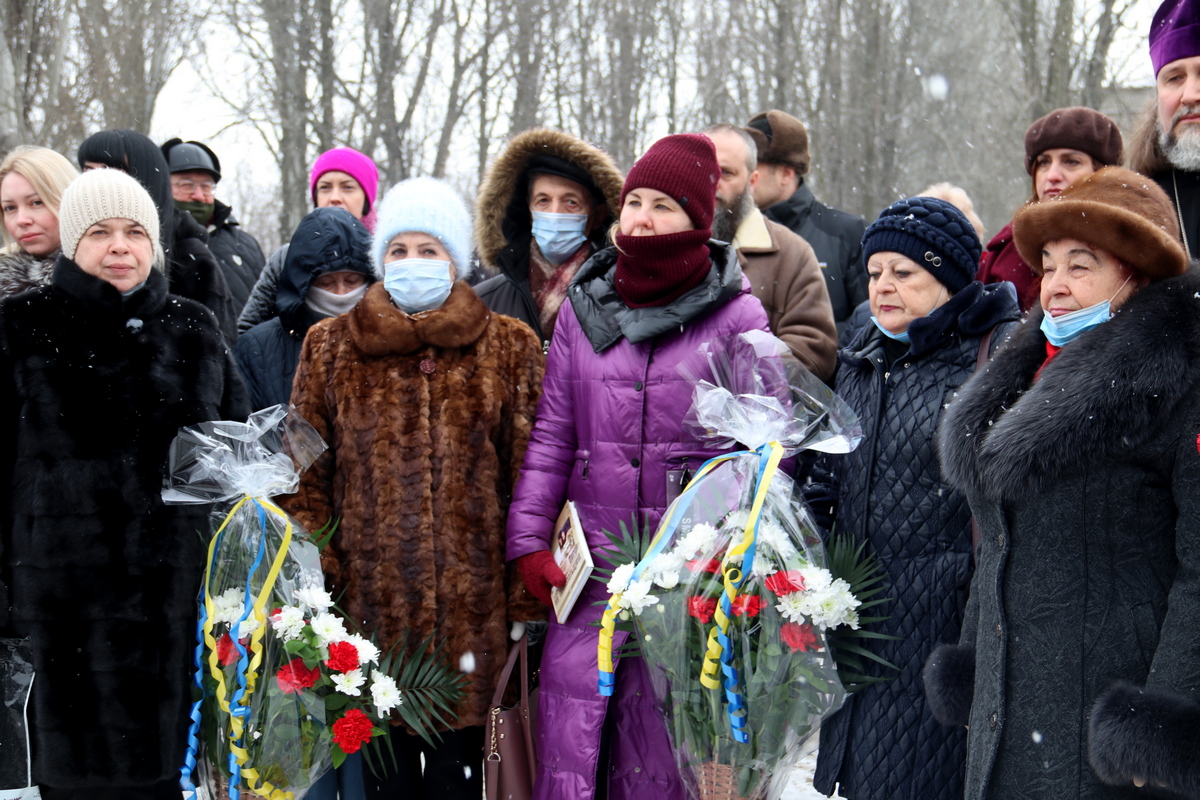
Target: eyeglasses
190,186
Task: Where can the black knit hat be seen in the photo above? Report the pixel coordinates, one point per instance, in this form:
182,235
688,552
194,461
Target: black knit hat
932,233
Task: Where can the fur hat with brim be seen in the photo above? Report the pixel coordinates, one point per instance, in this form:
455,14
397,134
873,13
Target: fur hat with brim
101,194
1113,209
425,205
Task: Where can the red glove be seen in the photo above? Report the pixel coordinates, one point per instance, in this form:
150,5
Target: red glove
539,572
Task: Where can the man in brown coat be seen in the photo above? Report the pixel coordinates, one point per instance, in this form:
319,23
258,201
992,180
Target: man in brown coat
782,269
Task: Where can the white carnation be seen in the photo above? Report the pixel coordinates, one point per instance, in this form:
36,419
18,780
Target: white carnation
368,653
227,607
329,629
698,540
815,578
620,578
288,623
349,682
637,597
666,568
248,626
315,599
763,567
776,538
384,693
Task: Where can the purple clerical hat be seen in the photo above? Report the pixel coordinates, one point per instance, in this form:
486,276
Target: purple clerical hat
1175,32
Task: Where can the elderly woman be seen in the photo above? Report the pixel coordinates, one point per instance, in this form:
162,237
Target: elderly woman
1060,148
32,180
609,430
427,400
1078,668
101,368
930,326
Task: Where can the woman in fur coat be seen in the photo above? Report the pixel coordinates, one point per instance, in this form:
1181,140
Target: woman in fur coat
426,399
609,431
100,370
32,180
1078,668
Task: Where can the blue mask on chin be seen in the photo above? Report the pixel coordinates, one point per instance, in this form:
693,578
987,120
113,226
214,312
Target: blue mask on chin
899,337
1062,329
559,235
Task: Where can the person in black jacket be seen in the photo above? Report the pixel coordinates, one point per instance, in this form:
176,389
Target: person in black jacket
195,172
192,270
929,318
98,371
544,207
326,271
783,197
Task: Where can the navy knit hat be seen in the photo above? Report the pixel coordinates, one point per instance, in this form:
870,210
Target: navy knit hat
932,233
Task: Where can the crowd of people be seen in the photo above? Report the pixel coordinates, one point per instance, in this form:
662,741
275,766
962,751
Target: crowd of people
1028,478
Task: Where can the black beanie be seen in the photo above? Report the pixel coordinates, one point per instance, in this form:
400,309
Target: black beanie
931,232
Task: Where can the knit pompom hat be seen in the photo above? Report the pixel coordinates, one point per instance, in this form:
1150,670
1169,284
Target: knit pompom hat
357,166
932,233
101,194
683,167
1113,209
425,205
1075,128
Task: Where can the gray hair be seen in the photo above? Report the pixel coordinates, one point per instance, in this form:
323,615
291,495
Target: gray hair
751,147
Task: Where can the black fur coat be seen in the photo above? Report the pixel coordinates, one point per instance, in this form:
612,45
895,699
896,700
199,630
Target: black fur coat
1078,669
97,571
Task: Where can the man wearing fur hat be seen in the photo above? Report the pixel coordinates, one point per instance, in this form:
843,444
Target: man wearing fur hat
545,205
1166,144
781,267
784,197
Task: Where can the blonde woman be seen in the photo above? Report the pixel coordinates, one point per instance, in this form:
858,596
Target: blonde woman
32,180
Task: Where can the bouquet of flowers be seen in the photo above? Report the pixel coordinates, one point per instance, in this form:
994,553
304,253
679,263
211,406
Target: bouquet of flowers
284,690
733,598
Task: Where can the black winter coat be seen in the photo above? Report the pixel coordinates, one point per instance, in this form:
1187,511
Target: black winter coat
193,272
836,238
1081,642
238,252
98,573
260,306
884,744
267,355
1184,187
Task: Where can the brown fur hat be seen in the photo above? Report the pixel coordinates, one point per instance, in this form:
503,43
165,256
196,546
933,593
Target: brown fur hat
1113,209
781,139
1076,128
508,175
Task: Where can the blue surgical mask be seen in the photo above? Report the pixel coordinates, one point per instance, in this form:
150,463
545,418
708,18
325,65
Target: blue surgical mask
559,235
1062,329
899,337
418,284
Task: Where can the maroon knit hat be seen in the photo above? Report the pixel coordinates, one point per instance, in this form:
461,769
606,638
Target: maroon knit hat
684,167
1075,128
1174,33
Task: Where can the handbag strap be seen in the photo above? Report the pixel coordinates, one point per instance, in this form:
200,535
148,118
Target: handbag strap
519,650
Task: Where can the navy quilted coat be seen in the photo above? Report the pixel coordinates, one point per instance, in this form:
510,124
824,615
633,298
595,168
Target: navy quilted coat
609,428
884,744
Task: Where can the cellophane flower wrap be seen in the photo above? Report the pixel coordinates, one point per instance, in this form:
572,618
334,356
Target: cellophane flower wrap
282,686
732,599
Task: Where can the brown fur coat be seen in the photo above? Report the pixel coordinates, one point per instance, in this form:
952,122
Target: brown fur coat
427,418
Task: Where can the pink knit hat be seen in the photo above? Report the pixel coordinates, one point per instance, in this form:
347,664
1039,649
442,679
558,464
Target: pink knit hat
357,166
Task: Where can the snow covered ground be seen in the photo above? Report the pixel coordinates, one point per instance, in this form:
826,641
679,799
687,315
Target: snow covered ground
800,785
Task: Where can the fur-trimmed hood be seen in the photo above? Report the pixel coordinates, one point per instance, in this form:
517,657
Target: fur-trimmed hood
1103,396
499,221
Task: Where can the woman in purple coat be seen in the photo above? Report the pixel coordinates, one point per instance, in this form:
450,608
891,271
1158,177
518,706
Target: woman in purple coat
609,431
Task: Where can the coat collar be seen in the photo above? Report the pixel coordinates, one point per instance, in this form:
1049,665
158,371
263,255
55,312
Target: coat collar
791,212
753,236
379,328
101,298
1107,393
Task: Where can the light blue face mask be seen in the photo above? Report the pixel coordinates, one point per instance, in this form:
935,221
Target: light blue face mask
899,337
559,235
1062,329
418,284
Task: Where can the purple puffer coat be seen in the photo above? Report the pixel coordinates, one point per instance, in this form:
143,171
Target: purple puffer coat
609,429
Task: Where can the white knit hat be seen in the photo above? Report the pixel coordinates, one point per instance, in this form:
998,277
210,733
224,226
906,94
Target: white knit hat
101,194
425,205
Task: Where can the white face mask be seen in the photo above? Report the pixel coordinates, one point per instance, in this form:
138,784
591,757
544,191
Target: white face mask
418,284
331,304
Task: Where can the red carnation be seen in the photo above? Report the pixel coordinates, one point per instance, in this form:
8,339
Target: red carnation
798,637
702,608
343,657
782,583
352,731
294,676
226,653
696,565
748,604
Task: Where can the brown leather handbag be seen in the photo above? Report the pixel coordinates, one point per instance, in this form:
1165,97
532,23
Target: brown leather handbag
508,740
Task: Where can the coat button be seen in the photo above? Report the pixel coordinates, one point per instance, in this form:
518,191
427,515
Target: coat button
992,720
999,632
1000,540
637,769
637,386
635,462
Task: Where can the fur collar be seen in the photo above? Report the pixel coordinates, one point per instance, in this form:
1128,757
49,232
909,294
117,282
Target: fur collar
378,328
502,209
101,298
20,271
1107,393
